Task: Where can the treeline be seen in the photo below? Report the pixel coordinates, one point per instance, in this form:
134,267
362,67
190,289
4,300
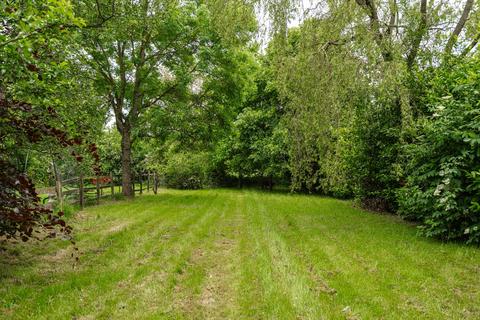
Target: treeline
372,101
426,170
382,104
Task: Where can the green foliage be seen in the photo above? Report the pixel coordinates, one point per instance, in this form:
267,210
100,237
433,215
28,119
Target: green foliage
338,168
109,150
32,33
187,170
374,160
257,145
34,43
322,84
443,185
203,119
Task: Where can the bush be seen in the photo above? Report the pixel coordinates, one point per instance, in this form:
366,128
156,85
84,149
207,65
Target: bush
373,160
187,170
443,186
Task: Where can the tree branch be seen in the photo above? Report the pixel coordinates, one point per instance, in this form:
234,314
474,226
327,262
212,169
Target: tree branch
379,37
117,112
459,27
419,34
168,90
393,16
471,45
137,92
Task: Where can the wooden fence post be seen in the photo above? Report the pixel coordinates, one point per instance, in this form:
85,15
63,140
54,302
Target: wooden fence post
155,184
112,185
148,181
141,185
80,190
133,183
98,190
58,185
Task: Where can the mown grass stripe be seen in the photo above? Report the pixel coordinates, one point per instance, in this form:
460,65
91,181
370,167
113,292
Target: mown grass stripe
240,254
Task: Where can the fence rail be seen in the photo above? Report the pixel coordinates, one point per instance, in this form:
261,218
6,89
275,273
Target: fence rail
82,190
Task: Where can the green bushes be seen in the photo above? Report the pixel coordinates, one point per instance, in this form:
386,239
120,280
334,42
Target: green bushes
443,174
187,170
257,146
374,160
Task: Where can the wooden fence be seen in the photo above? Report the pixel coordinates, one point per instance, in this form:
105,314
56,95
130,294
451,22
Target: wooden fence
86,190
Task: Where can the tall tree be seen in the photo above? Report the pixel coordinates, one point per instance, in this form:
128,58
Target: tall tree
347,76
143,55
152,53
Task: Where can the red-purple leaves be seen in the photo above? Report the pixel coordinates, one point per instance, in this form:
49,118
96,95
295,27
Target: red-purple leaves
21,213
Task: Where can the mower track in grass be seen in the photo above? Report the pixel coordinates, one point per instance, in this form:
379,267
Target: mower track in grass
239,254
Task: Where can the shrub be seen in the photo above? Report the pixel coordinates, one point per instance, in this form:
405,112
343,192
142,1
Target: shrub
373,160
443,186
187,170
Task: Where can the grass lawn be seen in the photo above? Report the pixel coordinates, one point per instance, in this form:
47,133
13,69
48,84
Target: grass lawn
230,254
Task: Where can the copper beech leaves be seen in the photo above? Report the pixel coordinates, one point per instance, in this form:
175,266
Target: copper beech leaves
21,211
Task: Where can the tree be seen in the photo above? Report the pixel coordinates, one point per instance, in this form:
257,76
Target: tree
256,147
347,78
33,42
147,57
157,56
459,26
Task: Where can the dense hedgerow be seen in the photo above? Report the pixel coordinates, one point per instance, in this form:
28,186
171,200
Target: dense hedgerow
443,182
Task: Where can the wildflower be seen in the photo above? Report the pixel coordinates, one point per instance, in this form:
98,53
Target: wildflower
438,190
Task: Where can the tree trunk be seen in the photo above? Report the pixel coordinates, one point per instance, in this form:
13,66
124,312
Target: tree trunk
419,34
459,27
127,163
